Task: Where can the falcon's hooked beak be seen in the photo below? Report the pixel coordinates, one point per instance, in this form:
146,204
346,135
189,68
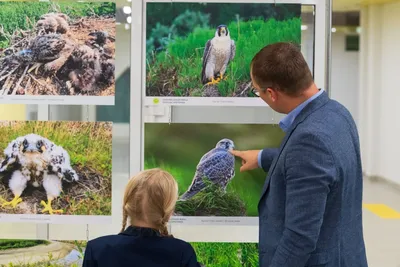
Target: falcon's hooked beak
223,30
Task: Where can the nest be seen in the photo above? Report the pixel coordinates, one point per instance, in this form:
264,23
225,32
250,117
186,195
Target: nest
60,57
90,186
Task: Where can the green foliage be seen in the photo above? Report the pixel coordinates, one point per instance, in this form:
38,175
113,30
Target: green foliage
212,201
178,68
16,15
17,243
177,148
227,254
217,13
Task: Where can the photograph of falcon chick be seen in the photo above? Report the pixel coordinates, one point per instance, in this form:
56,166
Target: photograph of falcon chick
217,166
35,160
61,55
218,53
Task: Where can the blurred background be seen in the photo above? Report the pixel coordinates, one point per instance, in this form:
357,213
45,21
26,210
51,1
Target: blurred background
365,56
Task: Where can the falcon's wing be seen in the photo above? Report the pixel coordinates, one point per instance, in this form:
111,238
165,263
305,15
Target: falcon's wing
60,163
11,153
233,50
215,165
206,56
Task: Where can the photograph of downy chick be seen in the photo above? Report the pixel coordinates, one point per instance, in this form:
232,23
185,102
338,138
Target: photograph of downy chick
60,56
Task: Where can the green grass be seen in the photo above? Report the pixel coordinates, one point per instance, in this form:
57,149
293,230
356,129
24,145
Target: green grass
23,15
90,148
177,148
16,243
179,68
212,201
227,254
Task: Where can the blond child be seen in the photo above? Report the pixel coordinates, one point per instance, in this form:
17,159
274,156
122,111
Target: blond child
149,202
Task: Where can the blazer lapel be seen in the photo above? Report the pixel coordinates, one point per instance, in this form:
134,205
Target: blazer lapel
308,110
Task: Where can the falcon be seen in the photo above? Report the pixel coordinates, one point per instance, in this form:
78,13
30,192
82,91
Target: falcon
218,53
53,23
52,50
38,161
217,165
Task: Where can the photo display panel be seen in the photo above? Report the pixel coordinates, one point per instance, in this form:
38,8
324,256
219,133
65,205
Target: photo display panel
55,171
200,53
212,190
58,53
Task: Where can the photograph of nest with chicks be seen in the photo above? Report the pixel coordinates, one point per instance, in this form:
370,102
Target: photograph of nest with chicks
55,167
57,48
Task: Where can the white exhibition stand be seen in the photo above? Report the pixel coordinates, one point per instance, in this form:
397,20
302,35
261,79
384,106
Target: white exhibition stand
315,47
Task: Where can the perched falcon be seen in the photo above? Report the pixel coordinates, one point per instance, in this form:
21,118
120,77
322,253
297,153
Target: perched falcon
36,160
217,165
219,51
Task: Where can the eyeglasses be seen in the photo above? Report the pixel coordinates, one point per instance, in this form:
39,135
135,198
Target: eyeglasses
254,92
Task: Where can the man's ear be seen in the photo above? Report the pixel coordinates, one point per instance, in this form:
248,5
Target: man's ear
272,94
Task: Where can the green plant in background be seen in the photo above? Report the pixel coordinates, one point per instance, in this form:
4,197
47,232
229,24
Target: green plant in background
227,254
90,148
177,148
175,48
15,243
16,15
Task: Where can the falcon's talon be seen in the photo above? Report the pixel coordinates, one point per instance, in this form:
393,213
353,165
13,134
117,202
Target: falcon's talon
213,81
13,203
48,208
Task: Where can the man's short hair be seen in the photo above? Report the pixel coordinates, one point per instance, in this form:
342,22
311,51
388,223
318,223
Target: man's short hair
281,66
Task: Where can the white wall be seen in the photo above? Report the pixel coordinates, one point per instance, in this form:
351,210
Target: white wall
380,90
345,66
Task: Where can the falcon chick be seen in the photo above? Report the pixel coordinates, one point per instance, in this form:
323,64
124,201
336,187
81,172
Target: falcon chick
100,38
35,159
52,50
53,23
217,165
84,68
218,53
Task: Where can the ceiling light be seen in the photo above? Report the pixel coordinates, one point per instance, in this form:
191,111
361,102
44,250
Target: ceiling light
127,10
304,27
333,29
129,19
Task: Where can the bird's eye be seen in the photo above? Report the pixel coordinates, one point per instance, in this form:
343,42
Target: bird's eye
25,143
39,144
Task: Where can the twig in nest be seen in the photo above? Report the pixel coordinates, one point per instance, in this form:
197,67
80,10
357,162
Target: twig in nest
11,72
43,85
5,86
245,89
19,81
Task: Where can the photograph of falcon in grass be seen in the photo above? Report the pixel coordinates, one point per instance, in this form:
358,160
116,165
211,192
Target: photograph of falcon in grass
55,167
205,49
60,49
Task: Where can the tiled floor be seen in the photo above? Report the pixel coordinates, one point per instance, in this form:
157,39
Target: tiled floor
382,223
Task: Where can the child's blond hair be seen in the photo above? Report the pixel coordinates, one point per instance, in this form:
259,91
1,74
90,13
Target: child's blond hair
150,197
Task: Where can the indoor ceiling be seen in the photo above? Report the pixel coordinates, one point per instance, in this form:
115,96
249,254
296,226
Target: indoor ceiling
351,5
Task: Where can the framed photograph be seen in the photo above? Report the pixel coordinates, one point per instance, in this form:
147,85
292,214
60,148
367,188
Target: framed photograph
200,53
52,170
57,52
212,190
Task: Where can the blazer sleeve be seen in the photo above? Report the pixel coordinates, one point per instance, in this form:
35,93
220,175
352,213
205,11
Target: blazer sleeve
310,175
88,260
266,156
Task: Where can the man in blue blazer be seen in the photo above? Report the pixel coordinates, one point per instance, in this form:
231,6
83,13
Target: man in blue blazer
310,211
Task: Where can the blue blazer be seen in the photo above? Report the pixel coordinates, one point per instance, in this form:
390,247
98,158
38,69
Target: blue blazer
139,247
310,211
